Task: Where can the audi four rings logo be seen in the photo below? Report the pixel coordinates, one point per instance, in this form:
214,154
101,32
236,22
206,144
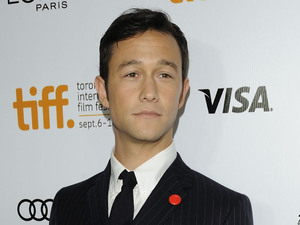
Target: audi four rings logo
35,209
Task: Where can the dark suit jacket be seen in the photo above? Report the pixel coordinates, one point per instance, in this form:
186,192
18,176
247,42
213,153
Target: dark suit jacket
204,202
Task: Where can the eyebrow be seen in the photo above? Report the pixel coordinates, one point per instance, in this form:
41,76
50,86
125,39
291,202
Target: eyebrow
129,63
167,63
136,62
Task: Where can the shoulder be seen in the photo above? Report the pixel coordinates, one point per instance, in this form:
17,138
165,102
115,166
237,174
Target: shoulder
208,195
202,183
219,202
70,199
79,189
207,190
73,197
215,190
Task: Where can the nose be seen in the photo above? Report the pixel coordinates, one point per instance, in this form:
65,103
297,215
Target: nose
148,91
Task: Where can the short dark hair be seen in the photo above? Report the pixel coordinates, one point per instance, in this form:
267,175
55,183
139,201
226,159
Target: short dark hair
133,22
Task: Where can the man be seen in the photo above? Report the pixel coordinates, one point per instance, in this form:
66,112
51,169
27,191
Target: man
143,67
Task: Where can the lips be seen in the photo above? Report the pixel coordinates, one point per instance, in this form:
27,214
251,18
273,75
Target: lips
147,114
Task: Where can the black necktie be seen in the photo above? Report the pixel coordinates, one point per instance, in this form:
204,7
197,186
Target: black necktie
122,209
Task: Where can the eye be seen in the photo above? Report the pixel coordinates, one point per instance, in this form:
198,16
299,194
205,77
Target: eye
165,75
131,75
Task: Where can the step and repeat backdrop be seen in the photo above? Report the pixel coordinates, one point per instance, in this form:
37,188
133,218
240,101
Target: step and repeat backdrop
240,125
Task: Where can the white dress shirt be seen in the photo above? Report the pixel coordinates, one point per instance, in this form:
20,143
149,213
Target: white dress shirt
147,175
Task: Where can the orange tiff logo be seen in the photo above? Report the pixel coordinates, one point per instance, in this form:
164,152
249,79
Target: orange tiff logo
180,1
58,102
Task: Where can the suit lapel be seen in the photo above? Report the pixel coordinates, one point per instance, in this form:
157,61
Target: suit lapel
157,207
97,198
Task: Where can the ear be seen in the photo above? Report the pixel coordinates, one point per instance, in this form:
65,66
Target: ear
101,90
185,88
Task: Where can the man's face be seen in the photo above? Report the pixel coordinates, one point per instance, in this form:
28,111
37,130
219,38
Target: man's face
145,87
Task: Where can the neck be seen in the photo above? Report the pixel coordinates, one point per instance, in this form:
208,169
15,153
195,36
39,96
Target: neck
133,153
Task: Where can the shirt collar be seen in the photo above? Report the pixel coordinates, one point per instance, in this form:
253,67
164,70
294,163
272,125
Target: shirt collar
149,173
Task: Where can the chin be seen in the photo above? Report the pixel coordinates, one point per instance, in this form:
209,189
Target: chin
148,137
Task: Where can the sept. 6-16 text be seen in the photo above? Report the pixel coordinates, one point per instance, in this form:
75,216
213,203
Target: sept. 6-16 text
95,123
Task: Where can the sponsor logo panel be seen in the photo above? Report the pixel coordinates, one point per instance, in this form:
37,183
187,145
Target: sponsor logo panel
45,107
36,209
45,103
239,100
92,114
40,5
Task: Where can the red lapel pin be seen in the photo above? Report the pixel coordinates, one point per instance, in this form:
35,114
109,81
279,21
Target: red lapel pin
175,199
